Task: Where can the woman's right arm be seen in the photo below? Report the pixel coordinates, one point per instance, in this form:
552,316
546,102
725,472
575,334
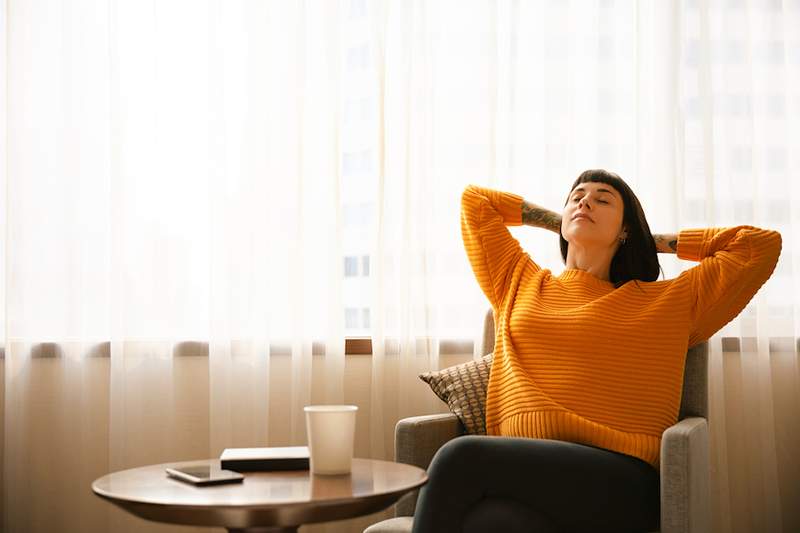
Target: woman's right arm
539,217
492,250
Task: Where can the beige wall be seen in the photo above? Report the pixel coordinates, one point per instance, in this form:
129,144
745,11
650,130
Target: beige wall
66,434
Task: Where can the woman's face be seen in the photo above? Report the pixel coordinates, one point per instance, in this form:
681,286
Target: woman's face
593,216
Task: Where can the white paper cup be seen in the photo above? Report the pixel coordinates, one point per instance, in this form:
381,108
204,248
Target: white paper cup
330,430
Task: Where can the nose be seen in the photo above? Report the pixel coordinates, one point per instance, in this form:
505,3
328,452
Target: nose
582,202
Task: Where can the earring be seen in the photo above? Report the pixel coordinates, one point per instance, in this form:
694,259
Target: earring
622,240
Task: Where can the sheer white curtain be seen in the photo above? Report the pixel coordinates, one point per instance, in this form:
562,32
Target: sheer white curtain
173,252
202,198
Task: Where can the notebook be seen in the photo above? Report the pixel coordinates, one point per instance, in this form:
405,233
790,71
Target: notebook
274,458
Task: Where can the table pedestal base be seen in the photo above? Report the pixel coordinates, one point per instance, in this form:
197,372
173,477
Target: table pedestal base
288,529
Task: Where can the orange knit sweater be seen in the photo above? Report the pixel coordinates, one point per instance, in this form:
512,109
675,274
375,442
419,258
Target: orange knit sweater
578,360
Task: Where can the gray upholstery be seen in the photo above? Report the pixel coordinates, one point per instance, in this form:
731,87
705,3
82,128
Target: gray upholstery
694,401
685,505
401,524
487,340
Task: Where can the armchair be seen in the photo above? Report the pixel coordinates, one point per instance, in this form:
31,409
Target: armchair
685,506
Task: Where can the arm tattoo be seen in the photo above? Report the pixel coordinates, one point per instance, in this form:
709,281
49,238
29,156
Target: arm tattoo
539,217
667,244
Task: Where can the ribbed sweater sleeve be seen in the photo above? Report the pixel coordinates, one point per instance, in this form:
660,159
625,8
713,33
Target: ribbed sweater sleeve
734,263
491,249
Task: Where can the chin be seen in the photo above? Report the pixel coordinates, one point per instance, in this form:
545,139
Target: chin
588,241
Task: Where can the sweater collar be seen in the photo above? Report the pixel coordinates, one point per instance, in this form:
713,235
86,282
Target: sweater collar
584,277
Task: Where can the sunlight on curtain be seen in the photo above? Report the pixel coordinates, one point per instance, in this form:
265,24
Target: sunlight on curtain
174,236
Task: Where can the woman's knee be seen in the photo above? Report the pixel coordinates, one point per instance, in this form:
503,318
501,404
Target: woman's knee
456,453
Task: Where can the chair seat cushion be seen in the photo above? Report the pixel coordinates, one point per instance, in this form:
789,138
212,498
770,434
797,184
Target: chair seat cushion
401,524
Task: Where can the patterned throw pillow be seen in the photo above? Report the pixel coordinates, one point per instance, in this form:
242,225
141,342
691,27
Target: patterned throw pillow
463,389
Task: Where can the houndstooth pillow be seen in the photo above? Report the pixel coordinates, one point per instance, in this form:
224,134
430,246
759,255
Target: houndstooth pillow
463,389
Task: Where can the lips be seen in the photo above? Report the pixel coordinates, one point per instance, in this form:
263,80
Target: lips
576,217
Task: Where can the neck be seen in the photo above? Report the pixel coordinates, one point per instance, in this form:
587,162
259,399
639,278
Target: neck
595,261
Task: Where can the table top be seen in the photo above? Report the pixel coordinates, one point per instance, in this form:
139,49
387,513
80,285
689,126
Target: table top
282,498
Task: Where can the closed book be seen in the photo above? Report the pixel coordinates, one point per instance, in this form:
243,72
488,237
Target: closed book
255,459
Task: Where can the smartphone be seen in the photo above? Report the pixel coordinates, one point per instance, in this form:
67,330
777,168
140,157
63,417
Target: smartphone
204,474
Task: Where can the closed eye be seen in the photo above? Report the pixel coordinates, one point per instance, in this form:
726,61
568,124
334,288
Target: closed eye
575,200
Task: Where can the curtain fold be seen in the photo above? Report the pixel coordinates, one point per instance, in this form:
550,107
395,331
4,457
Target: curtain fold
201,200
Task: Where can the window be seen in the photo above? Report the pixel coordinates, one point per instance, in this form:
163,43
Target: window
358,174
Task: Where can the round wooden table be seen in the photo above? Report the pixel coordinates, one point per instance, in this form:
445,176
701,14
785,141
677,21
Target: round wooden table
264,501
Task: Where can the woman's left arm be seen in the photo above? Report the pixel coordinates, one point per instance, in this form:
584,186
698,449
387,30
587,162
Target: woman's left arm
734,263
666,243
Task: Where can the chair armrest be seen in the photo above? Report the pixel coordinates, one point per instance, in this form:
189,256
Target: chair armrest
685,506
416,440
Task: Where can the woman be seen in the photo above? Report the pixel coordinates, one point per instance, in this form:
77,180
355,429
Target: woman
588,365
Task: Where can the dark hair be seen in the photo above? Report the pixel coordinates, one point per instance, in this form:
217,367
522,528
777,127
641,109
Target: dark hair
637,258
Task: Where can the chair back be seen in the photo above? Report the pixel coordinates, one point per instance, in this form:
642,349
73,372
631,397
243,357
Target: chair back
694,400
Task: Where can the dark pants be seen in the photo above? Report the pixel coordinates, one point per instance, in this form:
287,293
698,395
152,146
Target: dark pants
505,485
